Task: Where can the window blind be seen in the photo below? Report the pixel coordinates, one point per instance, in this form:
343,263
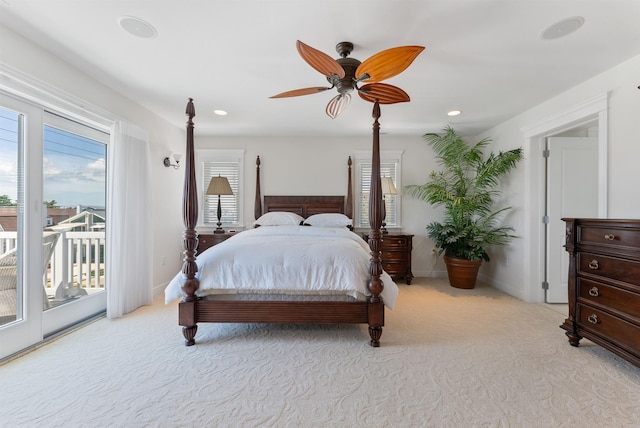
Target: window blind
387,169
228,203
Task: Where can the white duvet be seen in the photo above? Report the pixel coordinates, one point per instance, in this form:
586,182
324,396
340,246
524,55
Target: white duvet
286,260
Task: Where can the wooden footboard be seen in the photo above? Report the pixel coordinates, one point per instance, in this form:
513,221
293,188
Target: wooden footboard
256,311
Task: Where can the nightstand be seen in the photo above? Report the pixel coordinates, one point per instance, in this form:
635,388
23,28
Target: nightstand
396,255
206,240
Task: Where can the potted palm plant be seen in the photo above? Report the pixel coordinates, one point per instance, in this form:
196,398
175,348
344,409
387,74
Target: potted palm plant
467,187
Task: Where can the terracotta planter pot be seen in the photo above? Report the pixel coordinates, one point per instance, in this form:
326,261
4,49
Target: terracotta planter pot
462,272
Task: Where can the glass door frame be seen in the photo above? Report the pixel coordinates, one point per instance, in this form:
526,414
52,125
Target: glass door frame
63,316
35,324
27,330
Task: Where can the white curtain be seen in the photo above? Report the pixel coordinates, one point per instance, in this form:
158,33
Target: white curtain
129,240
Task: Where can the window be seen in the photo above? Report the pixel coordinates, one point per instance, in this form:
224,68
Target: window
225,163
390,166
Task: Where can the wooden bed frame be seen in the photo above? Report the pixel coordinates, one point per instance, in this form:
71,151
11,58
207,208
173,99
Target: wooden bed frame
193,309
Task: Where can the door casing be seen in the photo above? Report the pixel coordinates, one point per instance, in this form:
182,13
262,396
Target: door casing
591,110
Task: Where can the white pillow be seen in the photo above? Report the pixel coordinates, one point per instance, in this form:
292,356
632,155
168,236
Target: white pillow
329,220
278,218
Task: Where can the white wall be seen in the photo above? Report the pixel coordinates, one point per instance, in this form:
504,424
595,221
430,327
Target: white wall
318,166
25,57
513,273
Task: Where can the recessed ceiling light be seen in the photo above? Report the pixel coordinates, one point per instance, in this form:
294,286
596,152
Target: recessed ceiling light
220,112
137,27
563,28
454,113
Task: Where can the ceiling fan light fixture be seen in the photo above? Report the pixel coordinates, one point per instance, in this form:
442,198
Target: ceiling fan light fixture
454,113
337,105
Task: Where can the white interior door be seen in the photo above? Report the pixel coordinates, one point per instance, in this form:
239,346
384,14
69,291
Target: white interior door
572,191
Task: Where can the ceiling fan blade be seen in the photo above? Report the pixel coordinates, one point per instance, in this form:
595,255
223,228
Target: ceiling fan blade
319,60
302,91
337,105
387,63
384,93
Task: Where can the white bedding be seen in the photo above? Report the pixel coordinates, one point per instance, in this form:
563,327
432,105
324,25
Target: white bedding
286,260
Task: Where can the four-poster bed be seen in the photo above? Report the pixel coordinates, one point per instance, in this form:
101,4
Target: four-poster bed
242,309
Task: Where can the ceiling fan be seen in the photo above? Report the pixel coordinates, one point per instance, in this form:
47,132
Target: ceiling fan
345,74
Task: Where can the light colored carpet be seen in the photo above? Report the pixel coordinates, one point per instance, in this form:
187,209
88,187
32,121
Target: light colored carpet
449,358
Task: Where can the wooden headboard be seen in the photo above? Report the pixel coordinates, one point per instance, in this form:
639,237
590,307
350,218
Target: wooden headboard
305,205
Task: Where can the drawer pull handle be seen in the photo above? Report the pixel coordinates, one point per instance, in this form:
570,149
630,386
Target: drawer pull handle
593,319
594,292
610,237
593,264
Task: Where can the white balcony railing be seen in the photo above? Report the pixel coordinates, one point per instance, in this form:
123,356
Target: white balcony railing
8,241
77,261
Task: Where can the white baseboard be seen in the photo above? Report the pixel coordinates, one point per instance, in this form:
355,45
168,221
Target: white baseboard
429,273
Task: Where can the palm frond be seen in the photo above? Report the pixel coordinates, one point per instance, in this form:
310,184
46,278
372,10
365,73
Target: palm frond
466,187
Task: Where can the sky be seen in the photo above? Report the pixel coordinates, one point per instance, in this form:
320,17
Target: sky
74,166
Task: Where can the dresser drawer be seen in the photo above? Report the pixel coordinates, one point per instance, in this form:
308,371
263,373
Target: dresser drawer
609,236
391,242
622,333
392,255
609,267
394,268
612,297
206,241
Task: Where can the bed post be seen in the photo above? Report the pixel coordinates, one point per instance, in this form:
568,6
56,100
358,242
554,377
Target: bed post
375,286
349,208
257,205
187,308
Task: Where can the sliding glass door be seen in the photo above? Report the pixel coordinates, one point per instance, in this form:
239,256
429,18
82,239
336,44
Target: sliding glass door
74,199
22,297
52,223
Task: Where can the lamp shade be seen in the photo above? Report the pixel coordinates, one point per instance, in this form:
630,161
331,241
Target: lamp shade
388,188
219,186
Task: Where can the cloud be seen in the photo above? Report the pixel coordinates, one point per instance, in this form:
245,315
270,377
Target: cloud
50,168
96,170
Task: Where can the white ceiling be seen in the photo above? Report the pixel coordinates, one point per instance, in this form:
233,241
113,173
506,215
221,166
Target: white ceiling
484,57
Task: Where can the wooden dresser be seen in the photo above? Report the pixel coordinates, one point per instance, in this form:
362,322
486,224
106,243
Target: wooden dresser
206,240
604,284
396,255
